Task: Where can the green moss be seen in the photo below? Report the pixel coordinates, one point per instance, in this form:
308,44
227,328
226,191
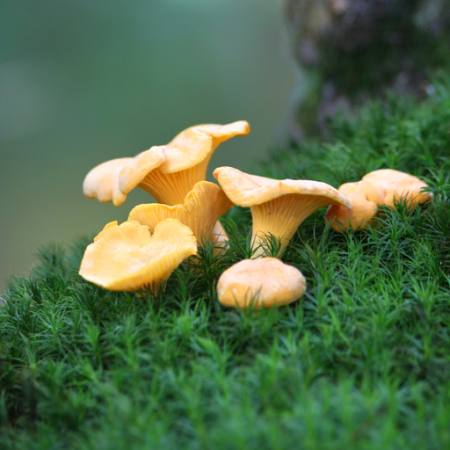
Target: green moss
361,362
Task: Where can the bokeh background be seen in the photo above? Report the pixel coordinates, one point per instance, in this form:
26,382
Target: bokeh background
83,81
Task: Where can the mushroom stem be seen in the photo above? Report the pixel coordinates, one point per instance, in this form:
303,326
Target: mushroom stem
281,217
220,239
171,188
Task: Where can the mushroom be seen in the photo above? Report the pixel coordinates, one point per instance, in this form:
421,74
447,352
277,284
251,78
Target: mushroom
394,186
362,209
167,172
201,208
128,256
102,182
186,161
278,207
261,283
384,187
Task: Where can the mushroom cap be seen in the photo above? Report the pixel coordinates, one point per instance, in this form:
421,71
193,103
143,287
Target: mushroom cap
137,168
201,208
195,144
248,190
393,185
261,283
128,257
101,182
362,209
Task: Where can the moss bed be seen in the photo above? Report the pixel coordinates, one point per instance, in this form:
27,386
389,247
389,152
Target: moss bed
362,362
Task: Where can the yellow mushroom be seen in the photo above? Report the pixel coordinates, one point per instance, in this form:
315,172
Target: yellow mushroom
129,257
167,172
186,161
393,186
201,208
103,181
362,209
278,207
384,187
260,283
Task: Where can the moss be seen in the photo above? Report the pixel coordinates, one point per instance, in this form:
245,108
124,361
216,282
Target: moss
361,362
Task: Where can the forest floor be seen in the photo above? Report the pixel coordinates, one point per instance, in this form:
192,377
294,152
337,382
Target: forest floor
361,362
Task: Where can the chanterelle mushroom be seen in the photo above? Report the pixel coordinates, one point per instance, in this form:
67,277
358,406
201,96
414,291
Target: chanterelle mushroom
186,161
168,172
382,187
102,182
278,206
128,256
394,186
360,214
261,283
201,208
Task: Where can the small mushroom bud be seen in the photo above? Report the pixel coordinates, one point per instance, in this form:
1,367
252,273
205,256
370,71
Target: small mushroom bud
260,283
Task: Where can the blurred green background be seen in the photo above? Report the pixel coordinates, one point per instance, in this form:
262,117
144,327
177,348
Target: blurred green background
83,81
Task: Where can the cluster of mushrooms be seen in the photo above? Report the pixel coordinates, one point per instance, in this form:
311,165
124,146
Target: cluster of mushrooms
143,251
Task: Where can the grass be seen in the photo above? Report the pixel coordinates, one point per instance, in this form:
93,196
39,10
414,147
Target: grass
360,363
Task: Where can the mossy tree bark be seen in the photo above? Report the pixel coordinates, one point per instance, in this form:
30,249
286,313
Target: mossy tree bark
350,50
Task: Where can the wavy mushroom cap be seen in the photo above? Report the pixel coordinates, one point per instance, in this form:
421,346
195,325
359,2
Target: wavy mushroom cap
201,208
248,190
185,163
393,186
278,206
128,256
261,283
134,172
102,182
195,144
362,209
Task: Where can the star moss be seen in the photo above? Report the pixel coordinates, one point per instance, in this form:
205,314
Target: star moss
361,362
